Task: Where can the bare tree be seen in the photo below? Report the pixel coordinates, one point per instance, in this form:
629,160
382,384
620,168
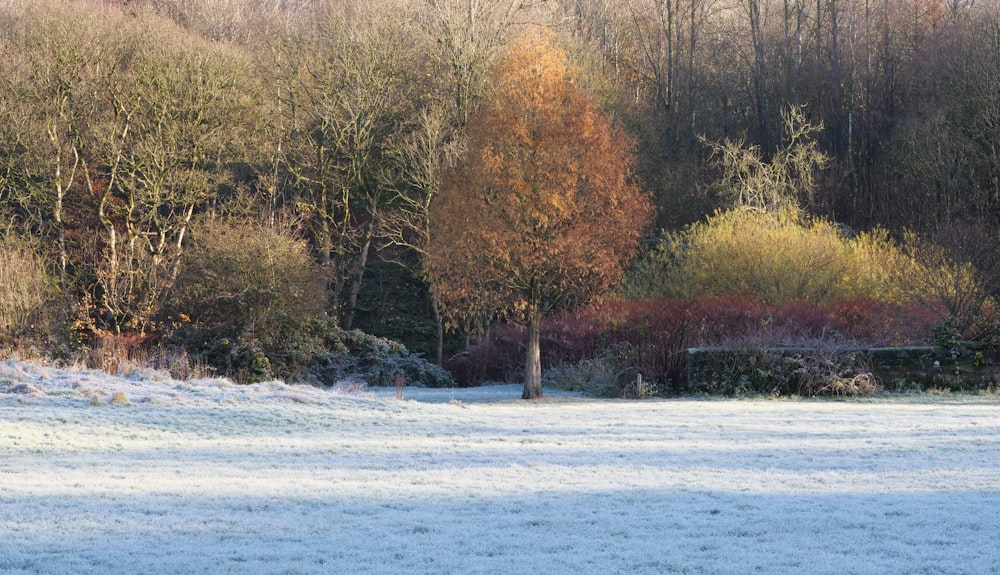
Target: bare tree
340,88
168,132
470,34
784,183
53,64
420,155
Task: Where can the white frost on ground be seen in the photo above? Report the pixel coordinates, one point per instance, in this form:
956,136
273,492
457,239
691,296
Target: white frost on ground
210,477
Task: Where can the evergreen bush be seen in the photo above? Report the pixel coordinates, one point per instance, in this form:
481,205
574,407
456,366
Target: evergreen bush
340,354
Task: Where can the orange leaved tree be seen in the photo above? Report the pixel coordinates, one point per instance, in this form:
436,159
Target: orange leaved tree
543,212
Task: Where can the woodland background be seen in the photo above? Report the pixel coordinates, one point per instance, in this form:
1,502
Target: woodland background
246,181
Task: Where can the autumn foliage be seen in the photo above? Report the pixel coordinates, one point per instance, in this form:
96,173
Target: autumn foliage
543,212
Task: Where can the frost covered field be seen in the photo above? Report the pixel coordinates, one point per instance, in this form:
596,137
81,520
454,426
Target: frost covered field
208,477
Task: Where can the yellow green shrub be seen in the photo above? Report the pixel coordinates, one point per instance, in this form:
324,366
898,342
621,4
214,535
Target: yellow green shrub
772,257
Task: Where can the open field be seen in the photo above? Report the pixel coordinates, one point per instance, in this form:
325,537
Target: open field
208,477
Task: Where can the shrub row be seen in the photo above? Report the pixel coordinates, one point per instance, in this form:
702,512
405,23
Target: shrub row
249,304
600,347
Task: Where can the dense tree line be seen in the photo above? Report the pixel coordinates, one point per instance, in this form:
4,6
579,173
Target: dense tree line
123,124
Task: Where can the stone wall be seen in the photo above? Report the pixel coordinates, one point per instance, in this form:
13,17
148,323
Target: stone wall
839,371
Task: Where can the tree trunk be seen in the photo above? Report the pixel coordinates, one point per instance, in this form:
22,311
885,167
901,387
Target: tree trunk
439,330
332,279
533,364
359,272
759,75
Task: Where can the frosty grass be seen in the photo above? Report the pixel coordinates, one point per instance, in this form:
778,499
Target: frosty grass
143,474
